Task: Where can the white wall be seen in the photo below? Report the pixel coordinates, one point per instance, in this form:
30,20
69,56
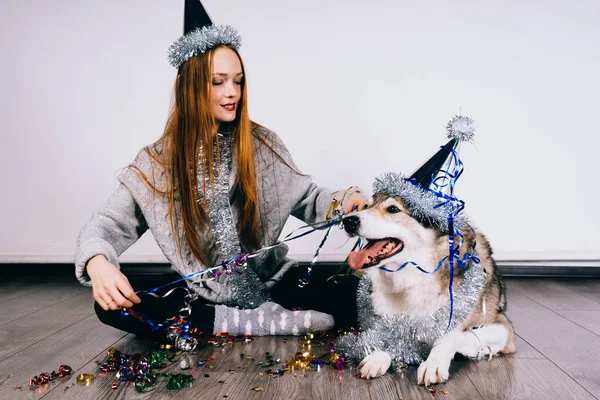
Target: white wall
355,89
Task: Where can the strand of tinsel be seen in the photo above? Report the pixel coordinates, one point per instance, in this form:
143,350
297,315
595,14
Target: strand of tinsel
218,209
244,290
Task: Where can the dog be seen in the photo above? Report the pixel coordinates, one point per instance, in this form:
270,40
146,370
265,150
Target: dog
395,236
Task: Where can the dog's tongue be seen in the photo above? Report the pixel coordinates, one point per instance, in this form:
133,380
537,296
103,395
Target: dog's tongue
357,259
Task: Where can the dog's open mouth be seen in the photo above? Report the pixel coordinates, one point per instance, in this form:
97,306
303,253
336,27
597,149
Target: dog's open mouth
374,252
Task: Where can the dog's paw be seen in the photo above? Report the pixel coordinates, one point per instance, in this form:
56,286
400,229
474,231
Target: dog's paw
434,370
375,364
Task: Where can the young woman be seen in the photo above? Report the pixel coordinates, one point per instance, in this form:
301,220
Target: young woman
215,186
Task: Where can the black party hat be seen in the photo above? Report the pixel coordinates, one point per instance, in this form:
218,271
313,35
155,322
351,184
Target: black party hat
426,191
194,16
200,35
433,174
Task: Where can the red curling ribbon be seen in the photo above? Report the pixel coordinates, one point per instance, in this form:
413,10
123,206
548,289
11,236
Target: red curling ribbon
46,377
64,370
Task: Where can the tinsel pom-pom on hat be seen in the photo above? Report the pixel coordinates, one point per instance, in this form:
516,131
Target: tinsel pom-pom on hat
461,128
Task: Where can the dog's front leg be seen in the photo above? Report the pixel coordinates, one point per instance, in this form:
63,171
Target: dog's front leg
375,364
437,366
486,341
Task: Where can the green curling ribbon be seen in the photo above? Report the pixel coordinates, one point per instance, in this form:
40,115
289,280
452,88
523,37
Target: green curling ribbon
176,381
145,383
156,358
179,381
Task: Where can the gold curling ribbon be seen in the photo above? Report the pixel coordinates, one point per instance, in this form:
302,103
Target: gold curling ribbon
85,379
335,203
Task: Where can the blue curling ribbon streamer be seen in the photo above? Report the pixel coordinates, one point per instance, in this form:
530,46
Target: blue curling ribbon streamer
235,262
444,179
306,279
302,282
242,259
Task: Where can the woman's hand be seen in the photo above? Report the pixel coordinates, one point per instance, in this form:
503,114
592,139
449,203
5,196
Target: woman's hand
358,200
110,287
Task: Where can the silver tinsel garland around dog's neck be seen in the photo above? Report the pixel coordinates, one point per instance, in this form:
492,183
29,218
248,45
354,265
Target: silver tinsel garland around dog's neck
245,288
405,337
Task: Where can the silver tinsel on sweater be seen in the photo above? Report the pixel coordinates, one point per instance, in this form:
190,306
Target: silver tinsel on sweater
461,128
421,203
201,40
245,288
405,337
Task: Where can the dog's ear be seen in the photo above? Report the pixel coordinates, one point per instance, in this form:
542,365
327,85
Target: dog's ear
470,237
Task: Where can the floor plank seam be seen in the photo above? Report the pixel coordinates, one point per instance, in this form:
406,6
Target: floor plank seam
45,337
42,286
79,291
475,386
533,347
76,372
42,309
552,361
563,317
587,296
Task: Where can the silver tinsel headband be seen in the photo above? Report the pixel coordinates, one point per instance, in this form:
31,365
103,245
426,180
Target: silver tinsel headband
201,40
422,204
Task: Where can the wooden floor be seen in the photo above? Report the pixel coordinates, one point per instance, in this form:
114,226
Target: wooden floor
50,323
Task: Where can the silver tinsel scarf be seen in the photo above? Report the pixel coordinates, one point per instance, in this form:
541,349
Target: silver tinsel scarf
405,337
201,40
420,202
245,288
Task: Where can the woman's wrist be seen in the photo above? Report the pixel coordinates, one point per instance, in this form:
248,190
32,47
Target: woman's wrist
93,262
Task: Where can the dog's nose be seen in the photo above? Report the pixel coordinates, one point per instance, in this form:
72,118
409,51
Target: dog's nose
351,224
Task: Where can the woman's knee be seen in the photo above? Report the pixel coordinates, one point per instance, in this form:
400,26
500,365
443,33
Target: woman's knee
106,317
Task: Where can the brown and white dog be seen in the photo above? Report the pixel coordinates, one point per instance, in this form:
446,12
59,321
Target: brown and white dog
394,236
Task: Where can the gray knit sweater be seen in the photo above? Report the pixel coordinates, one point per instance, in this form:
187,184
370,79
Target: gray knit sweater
134,208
